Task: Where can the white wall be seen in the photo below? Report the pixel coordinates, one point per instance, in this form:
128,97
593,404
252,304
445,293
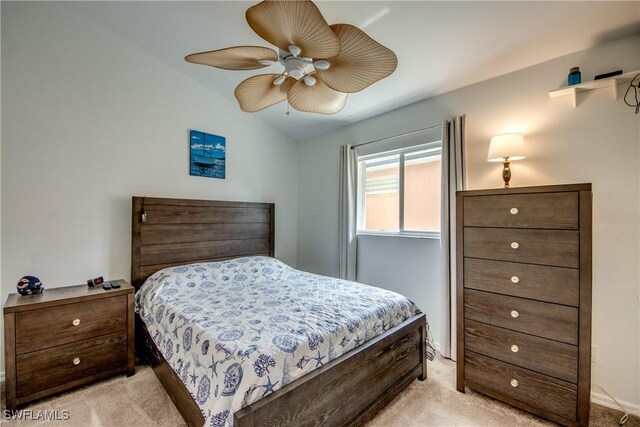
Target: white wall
408,266
90,120
597,142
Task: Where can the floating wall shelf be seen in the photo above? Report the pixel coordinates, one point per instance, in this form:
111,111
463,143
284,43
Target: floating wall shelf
611,82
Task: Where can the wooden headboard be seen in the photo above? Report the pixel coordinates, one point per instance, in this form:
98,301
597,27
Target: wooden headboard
181,231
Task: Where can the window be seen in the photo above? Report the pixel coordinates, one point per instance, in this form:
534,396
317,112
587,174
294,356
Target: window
399,191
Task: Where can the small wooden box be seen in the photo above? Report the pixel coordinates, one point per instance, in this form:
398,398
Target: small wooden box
66,337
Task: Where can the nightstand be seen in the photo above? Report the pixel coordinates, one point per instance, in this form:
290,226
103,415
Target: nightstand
64,338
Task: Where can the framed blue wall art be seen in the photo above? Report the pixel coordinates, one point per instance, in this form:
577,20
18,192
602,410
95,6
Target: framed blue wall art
208,155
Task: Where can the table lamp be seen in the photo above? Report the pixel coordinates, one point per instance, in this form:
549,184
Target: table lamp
506,148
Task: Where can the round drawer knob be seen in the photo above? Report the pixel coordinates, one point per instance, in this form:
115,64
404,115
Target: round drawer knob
515,245
514,211
76,361
76,322
515,348
514,383
515,279
514,313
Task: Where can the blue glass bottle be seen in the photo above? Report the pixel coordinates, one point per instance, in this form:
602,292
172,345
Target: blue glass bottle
574,76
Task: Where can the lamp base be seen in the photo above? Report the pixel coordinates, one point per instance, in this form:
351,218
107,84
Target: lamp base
506,172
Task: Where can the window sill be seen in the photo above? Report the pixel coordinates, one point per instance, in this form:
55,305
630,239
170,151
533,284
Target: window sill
404,234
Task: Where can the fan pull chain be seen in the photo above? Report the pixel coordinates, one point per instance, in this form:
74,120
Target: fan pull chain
288,112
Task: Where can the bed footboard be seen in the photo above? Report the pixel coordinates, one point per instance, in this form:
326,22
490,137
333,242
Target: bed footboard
351,389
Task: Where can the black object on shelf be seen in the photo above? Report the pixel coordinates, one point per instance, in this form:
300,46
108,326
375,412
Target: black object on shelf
605,75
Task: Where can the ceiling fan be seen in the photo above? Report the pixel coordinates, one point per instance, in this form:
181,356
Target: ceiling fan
322,63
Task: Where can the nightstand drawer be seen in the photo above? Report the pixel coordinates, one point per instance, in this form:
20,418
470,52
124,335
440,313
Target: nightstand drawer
544,210
531,388
547,247
53,367
553,321
49,327
559,285
548,357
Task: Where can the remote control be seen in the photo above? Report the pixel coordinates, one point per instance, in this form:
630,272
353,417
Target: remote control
106,286
115,285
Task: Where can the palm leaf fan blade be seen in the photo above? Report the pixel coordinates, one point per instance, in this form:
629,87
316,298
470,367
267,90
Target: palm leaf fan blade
361,63
318,98
259,92
235,58
296,22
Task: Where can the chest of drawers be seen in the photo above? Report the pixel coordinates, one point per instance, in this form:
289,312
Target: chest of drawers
524,298
64,338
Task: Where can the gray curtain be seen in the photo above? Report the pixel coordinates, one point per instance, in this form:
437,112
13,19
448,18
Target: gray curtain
348,215
453,179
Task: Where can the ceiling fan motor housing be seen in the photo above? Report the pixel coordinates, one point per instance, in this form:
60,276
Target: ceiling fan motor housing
297,67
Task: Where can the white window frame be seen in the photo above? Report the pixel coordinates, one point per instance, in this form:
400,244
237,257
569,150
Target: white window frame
434,149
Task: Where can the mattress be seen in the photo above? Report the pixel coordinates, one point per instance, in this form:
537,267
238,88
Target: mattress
238,330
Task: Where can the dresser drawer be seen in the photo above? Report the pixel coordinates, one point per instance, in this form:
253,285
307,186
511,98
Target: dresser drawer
552,284
531,388
553,321
548,247
543,210
53,367
548,357
48,327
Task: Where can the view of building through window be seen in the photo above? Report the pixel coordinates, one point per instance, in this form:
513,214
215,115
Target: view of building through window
382,191
422,193
382,186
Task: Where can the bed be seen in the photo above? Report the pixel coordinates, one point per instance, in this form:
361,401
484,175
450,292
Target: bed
274,353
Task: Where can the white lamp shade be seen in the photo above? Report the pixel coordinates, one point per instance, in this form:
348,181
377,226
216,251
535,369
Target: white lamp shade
509,145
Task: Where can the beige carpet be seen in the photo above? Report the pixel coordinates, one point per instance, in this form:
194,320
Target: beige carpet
141,401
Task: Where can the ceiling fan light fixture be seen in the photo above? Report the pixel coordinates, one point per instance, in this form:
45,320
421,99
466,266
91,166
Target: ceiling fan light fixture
294,50
322,64
296,73
279,80
309,80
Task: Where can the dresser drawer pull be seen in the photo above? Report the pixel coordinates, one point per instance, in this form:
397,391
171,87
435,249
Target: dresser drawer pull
76,361
515,348
76,322
514,211
514,313
515,279
515,245
514,383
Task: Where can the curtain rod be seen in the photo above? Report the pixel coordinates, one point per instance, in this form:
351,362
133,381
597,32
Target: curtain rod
396,136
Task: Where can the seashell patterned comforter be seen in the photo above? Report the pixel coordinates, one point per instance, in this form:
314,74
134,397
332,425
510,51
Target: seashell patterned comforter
238,330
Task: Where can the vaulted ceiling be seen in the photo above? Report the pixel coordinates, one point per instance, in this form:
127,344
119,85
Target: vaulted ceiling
441,46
